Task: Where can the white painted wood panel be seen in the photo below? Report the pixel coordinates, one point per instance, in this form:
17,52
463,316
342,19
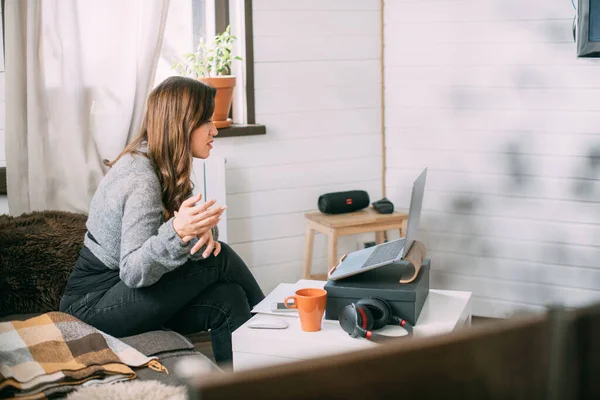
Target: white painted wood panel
315,5
450,119
322,123
515,228
539,187
418,53
548,232
266,227
533,251
278,226
509,269
494,141
551,77
468,202
287,176
306,98
298,199
428,11
556,30
317,74
517,291
315,22
262,151
491,97
315,48
525,99
513,163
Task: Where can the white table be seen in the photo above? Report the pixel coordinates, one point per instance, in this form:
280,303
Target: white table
443,312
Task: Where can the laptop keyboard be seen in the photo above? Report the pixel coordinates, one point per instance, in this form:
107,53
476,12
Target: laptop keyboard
385,252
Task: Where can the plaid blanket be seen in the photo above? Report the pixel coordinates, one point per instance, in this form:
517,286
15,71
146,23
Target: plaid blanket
56,353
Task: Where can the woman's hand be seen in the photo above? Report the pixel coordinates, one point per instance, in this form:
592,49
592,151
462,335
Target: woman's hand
207,238
191,221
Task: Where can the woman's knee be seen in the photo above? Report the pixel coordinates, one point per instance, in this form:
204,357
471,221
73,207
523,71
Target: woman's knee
227,293
231,298
231,257
231,261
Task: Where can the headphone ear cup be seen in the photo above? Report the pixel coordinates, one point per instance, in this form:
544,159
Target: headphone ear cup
389,313
365,317
348,319
380,310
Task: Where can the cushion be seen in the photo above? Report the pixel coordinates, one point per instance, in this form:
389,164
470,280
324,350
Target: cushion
154,343
172,349
39,249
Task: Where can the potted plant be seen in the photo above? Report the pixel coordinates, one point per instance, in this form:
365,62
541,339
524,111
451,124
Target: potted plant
212,66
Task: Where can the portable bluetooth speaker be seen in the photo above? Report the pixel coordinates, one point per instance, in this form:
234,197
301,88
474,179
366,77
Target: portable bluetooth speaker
343,202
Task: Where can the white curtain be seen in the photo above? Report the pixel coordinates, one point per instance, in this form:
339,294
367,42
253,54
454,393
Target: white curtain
77,76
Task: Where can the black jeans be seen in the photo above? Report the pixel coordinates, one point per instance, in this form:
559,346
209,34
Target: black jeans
216,293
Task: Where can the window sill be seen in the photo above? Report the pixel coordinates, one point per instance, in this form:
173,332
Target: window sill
242,130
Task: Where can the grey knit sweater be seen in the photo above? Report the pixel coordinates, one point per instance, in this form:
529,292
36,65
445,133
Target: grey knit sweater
126,220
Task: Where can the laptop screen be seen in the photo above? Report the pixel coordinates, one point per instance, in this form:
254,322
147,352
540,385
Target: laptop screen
414,213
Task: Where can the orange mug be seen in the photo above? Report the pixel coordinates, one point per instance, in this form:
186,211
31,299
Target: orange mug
311,307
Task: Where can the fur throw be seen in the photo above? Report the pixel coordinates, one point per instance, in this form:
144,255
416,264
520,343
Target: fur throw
147,390
37,252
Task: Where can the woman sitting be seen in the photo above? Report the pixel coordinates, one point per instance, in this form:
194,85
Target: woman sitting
151,258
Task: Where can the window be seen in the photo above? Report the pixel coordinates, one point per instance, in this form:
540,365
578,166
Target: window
191,20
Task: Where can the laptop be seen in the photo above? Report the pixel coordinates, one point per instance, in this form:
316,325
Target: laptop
386,253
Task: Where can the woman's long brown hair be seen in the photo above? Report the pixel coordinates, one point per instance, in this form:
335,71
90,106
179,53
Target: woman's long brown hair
174,109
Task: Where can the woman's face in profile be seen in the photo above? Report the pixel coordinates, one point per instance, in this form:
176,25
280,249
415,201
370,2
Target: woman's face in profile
202,140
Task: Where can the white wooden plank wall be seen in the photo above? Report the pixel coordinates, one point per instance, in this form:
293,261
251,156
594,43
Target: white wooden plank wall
318,90
490,96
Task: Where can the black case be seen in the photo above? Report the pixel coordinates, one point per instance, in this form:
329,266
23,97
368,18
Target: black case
406,299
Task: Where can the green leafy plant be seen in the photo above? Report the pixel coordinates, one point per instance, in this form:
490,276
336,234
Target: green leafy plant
207,61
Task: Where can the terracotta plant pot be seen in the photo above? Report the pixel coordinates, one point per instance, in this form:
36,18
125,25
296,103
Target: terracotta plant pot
224,86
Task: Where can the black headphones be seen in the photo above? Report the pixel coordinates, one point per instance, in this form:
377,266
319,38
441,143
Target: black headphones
360,318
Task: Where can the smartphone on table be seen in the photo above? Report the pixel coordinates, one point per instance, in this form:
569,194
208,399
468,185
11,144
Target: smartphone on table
280,306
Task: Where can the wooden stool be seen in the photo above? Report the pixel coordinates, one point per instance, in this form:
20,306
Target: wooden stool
334,226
